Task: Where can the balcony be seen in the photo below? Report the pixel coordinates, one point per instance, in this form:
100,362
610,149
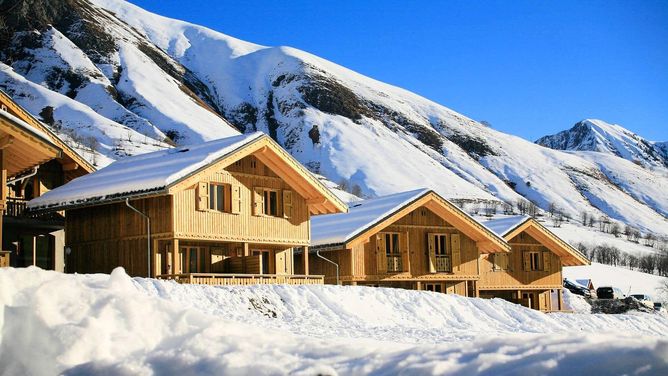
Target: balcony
394,264
443,264
15,207
222,279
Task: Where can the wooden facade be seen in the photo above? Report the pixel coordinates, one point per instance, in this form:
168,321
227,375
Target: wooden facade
35,161
236,221
531,274
417,247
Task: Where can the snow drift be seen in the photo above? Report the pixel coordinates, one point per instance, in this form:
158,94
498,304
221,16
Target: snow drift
112,324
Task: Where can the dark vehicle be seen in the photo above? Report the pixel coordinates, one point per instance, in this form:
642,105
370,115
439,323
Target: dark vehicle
659,307
609,293
577,289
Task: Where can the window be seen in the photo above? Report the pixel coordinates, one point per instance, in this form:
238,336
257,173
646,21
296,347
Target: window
392,244
441,247
271,202
440,252
218,197
194,259
533,261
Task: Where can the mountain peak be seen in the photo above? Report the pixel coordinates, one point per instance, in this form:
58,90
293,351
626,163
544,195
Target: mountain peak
600,136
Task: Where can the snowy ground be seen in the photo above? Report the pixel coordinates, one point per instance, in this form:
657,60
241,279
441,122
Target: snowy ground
629,281
116,325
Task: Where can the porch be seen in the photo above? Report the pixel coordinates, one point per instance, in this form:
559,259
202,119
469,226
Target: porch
222,279
230,263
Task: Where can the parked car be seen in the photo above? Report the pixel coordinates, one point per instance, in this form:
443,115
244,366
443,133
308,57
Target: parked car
644,299
577,289
659,307
608,292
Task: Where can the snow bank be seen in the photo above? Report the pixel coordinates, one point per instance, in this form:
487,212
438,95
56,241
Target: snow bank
576,303
84,324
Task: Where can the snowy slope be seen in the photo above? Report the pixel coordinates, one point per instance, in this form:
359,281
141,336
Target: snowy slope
629,281
101,324
340,124
597,135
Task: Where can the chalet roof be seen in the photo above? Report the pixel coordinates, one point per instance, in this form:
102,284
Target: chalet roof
503,226
23,145
337,229
509,227
27,118
154,173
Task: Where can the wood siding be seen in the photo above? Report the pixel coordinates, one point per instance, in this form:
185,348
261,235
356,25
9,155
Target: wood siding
516,277
190,223
363,262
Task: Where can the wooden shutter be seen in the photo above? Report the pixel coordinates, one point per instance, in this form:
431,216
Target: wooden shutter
202,196
456,252
235,198
547,261
526,256
405,252
431,252
503,258
258,201
381,258
287,204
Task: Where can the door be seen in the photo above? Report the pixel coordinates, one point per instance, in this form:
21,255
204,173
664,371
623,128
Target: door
194,259
264,260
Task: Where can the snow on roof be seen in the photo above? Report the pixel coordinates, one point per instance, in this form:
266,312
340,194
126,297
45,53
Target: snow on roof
503,226
37,132
142,173
584,282
341,227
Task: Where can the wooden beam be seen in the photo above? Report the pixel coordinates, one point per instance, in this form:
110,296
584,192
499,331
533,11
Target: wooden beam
70,166
305,261
6,140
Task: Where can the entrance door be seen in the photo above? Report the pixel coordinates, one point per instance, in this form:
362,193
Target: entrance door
194,259
264,260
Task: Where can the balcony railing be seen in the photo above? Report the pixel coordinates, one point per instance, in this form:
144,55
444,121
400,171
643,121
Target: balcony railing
443,263
15,207
244,279
394,264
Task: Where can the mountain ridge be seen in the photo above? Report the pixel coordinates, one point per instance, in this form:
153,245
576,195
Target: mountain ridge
158,86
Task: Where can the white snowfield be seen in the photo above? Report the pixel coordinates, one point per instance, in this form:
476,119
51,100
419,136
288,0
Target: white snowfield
111,324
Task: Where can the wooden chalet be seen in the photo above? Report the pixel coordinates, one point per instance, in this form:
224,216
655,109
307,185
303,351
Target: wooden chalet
36,160
531,274
229,211
414,240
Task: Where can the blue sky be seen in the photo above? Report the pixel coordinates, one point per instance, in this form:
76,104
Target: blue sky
528,67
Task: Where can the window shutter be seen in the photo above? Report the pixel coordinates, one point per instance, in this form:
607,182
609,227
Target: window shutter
405,252
287,204
235,199
202,196
526,256
432,253
456,252
503,257
258,201
547,261
380,254
494,260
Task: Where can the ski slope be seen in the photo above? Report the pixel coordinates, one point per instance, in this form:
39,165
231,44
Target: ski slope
116,325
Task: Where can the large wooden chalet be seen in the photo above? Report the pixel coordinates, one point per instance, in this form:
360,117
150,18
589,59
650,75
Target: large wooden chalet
230,211
531,274
34,160
414,240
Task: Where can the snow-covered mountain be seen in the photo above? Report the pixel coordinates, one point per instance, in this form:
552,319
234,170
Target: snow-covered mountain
597,135
121,80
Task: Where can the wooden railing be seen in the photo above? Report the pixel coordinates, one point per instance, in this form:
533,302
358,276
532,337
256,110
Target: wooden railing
394,264
443,263
15,207
244,279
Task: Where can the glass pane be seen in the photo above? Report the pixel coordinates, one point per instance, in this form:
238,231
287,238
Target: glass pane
273,203
266,203
212,196
193,260
388,244
184,260
220,198
202,261
395,243
441,244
